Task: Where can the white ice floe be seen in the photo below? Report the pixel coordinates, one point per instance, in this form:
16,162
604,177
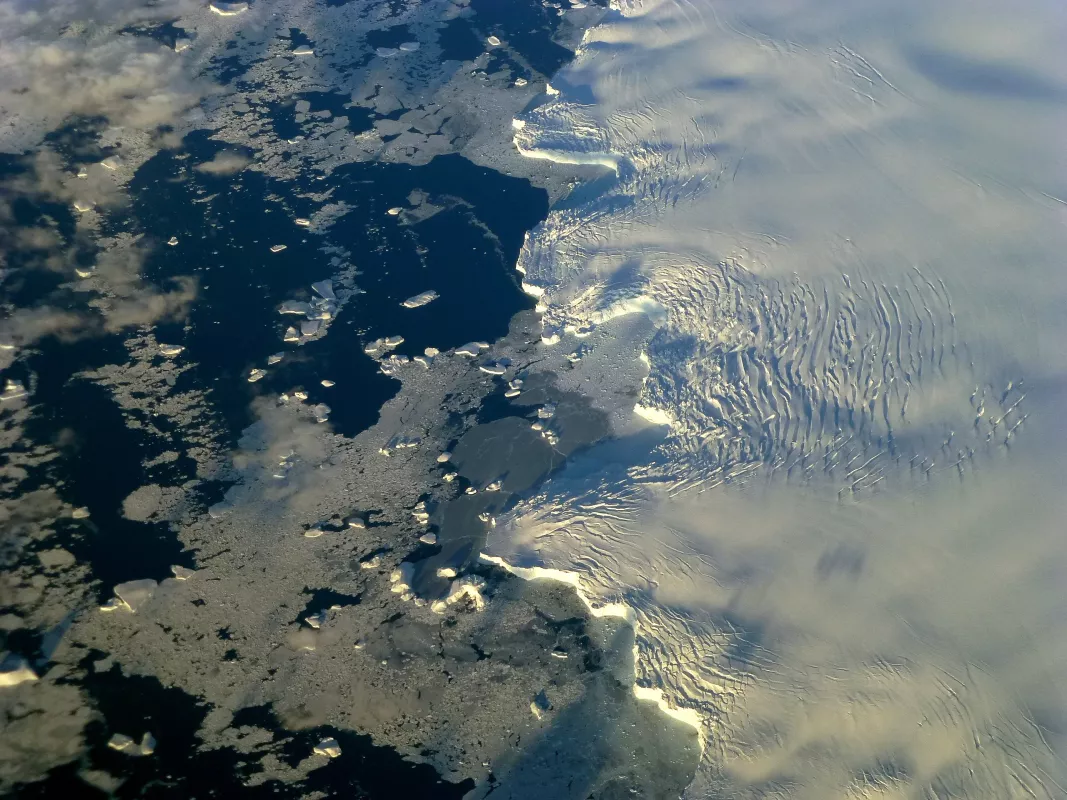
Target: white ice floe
80,513
170,349
328,747
371,563
182,573
448,477
471,349
387,52
468,588
393,341
394,211
493,368
303,50
277,248
81,206
520,81
444,458
428,538
324,289
356,523
297,307
303,222
274,358
291,335
313,533
310,327
172,241
316,621
132,595
493,41
421,299
13,390
14,671
228,9
409,47
321,412
326,383
125,744
256,374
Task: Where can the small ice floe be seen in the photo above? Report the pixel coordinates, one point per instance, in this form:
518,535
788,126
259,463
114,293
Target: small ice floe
471,349
444,458
428,538
400,578
310,327
409,47
547,411
291,335
170,349
300,395
313,533
471,490
219,510
83,272
448,477
172,241
15,670
131,595
466,588
371,563
356,522
295,307
326,383
13,390
537,426
494,486
387,52
81,206
275,358
111,163
228,9
559,652
321,412
303,50
484,516
124,744
316,621
182,44
393,341
256,374
423,360
493,41
324,289
303,222
394,211
431,352
520,81
493,368
182,573
80,513
446,572
420,514
277,248
328,747
83,173
540,705
421,299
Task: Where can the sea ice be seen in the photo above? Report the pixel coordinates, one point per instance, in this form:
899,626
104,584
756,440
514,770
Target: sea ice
327,383
493,368
80,513
277,248
13,390
324,288
182,573
134,594
409,47
303,50
256,374
328,747
310,327
15,670
81,206
493,41
295,307
291,335
421,299
428,538
274,358
387,52
303,222
228,9
173,240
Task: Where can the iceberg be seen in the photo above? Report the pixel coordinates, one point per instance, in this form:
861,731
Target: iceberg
421,299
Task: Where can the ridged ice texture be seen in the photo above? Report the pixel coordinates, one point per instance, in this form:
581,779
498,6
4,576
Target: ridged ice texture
847,221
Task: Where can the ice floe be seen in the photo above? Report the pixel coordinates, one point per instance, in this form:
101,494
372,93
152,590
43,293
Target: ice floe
421,299
228,9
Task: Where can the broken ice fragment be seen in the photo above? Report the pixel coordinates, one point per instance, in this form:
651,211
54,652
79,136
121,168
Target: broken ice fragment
328,747
83,272
471,349
492,368
300,395
256,374
316,620
493,41
547,411
446,572
303,222
494,486
512,392
428,538
173,240
393,341
559,652
421,299
81,206
313,533
274,358
310,327
387,52
450,476
327,383
540,705
13,390
228,9
15,670
303,50
135,593
294,307
370,563
409,47
291,335
120,742
356,522
444,458
321,412
170,349
392,212
181,45
520,81
325,289
148,744
182,573
471,490
111,163
277,248
80,513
